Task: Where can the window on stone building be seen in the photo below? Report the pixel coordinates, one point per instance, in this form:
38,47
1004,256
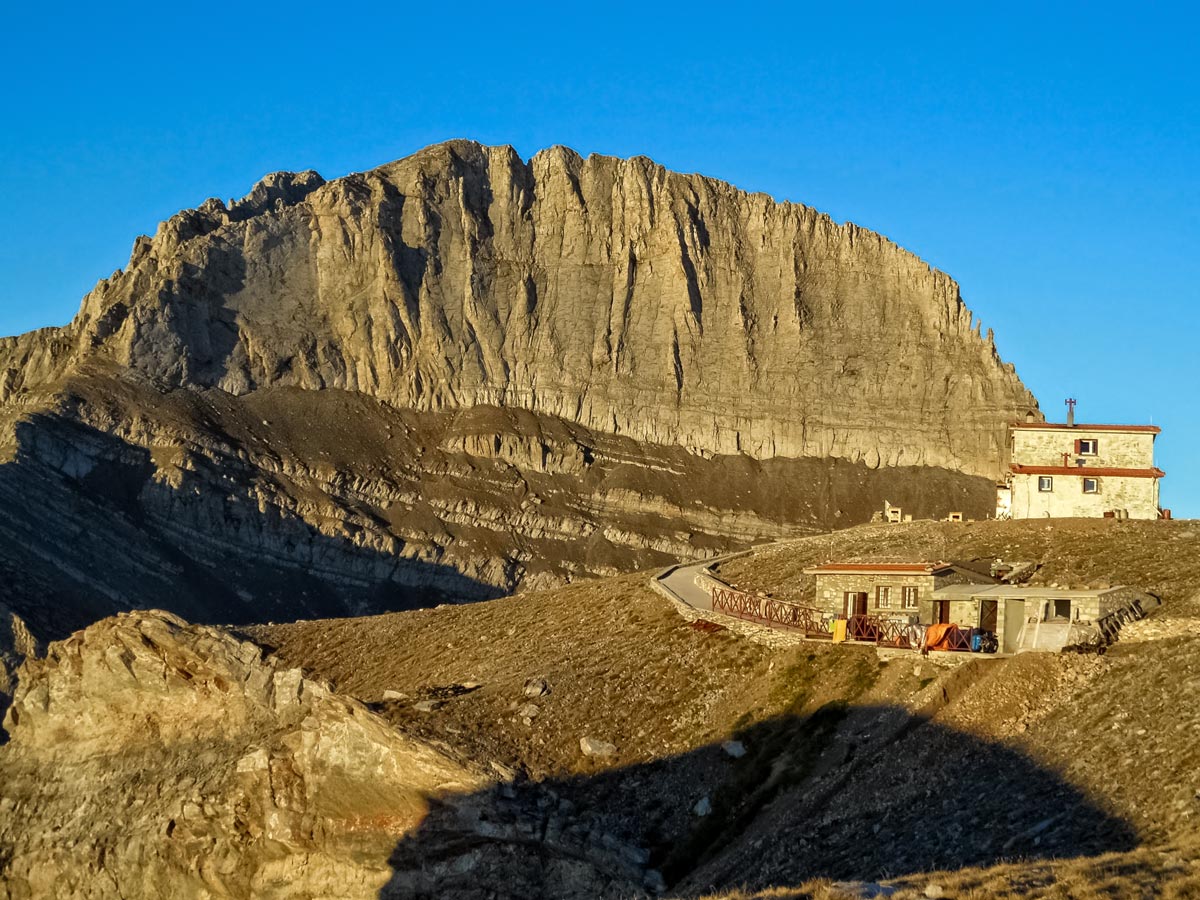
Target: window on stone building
909,598
883,597
1045,483
1091,485
1086,446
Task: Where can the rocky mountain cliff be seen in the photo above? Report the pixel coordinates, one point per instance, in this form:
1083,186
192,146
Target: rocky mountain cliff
613,293
466,372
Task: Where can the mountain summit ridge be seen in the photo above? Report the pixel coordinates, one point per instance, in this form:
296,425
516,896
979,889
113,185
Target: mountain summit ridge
609,292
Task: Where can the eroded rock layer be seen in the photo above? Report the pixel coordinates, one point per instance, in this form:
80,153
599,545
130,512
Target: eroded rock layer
287,504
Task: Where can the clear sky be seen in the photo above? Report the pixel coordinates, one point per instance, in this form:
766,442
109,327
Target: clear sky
1047,160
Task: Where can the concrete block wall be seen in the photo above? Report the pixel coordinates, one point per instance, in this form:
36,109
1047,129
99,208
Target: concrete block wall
1138,496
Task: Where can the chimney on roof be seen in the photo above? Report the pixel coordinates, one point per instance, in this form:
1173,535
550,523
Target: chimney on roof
1070,412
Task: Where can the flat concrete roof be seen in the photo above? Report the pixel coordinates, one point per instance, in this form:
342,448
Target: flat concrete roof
879,568
1063,426
1018,591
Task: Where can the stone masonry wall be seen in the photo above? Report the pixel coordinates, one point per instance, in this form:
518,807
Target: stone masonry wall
832,588
1045,447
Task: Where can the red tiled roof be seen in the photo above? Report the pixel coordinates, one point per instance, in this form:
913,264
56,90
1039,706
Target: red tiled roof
1063,426
1089,471
921,568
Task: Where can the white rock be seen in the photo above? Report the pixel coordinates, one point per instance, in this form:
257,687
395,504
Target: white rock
594,747
537,687
528,711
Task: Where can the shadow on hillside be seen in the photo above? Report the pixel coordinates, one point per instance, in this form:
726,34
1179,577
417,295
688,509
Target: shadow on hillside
860,793
90,527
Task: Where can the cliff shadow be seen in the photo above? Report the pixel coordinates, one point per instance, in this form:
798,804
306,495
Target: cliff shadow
208,327
90,525
813,796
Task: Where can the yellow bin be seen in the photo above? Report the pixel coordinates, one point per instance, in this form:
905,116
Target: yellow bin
839,630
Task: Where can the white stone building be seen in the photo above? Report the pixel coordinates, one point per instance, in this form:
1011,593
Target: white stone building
1063,470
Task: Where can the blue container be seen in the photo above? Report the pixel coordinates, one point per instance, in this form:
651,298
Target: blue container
976,642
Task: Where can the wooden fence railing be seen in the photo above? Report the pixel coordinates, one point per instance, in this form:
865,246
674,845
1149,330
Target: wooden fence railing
776,613
814,622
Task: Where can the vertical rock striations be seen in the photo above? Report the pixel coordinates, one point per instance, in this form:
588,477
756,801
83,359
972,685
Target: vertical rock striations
669,308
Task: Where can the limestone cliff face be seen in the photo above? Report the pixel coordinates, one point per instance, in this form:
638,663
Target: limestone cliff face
612,293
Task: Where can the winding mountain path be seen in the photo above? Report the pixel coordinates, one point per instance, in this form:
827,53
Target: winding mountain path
680,582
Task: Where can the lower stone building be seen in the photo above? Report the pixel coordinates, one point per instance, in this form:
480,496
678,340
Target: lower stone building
894,591
1022,617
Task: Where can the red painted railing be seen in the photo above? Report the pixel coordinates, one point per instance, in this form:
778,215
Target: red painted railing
776,613
812,621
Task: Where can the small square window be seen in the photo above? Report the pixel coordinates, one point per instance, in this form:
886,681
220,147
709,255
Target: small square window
1045,483
1091,485
1087,447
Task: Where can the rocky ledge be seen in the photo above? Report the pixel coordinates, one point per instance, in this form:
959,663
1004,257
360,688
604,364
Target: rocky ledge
150,757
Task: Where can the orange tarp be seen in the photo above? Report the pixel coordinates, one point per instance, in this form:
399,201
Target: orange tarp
942,637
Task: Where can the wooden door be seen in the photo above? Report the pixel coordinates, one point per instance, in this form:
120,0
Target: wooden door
854,603
941,612
987,615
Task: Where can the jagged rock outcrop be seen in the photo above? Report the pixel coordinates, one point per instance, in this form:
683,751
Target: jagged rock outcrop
462,374
17,643
150,757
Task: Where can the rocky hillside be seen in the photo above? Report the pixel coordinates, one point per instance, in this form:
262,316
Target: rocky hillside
191,767
462,373
589,742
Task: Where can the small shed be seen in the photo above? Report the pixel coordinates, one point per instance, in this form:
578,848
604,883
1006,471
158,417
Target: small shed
1026,617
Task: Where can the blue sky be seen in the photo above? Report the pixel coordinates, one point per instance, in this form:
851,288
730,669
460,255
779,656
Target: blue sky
1048,161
